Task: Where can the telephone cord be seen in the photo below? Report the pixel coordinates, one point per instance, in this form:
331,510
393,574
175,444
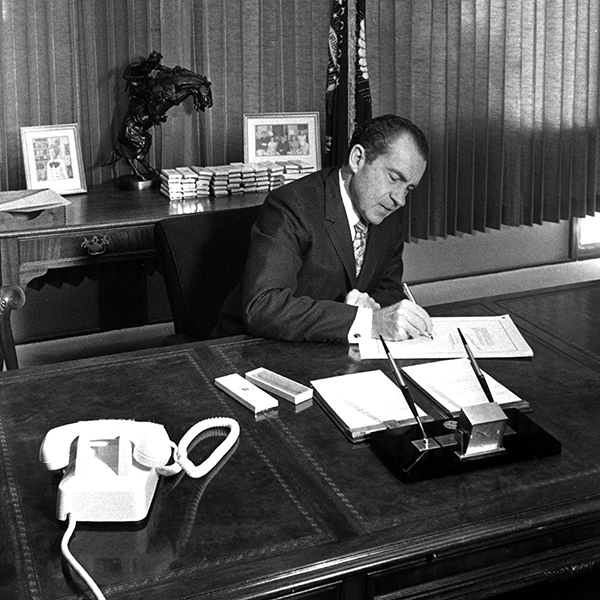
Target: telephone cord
75,565
180,454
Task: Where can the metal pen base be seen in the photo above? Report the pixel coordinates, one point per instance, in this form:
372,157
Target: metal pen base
402,449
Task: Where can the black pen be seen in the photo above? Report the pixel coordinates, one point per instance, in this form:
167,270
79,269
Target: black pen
476,368
404,388
412,299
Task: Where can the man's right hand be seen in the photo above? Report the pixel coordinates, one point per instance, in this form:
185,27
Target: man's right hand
401,321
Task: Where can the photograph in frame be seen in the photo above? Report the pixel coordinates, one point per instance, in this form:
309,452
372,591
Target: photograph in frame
53,159
283,136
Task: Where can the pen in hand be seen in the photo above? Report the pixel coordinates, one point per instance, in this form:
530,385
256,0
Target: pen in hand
404,388
476,368
409,295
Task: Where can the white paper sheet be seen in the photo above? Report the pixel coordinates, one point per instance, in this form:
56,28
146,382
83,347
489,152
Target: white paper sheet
453,384
364,401
488,337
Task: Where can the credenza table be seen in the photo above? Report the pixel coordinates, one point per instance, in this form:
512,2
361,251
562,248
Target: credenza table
104,228
297,511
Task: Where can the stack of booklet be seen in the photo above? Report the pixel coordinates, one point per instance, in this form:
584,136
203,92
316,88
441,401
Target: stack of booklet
450,385
361,403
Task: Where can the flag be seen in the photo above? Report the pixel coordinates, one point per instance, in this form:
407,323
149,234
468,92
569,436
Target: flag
348,94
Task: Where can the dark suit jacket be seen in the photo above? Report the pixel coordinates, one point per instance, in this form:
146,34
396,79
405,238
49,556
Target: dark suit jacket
301,266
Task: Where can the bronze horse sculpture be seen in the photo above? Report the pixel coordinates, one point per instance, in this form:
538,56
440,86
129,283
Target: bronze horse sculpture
154,89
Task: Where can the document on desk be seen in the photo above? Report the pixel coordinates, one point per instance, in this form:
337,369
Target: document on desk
360,403
452,384
488,337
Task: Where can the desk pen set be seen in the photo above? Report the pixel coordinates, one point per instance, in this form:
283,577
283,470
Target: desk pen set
482,435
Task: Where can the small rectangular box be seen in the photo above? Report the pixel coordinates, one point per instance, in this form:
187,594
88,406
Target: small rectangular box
246,393
281,386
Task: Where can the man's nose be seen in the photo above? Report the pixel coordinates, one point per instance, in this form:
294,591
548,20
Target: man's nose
399,198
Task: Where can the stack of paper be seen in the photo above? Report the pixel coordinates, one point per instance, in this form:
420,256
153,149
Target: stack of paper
234,179
203,180
262,178
276,174
220,180
361,403
304,166
452,384
189,182
248,177
170,184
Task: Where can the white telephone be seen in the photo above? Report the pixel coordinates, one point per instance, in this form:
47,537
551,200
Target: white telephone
112,466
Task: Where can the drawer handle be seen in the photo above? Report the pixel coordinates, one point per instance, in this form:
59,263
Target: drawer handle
97,245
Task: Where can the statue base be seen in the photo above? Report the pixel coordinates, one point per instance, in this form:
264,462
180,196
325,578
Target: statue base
137,183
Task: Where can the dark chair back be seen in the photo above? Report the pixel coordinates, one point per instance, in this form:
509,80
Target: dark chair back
202,258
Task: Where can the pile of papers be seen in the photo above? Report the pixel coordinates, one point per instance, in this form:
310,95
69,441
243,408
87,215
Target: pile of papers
295,169
183,183
344,399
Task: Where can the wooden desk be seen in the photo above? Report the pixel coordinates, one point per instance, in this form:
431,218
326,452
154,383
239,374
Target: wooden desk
297,511
105,226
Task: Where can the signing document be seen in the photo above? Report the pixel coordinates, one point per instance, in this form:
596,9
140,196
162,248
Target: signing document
488,337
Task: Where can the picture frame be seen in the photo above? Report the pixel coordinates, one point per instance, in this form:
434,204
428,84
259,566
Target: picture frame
283,136
585,237
53,159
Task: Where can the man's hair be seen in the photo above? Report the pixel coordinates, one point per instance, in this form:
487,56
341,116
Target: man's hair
378,134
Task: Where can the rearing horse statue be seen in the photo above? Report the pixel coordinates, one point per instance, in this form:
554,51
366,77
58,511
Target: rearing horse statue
154,89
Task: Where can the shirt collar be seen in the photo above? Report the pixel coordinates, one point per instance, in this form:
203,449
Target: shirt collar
353,217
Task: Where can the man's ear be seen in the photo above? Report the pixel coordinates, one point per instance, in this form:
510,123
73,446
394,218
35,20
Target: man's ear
357,157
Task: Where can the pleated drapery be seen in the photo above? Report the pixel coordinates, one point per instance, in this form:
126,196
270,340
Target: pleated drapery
507,93
506,90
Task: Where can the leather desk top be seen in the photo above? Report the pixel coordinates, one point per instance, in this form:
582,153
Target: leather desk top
296,506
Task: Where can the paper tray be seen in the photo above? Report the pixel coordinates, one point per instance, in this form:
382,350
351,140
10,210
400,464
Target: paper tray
396,450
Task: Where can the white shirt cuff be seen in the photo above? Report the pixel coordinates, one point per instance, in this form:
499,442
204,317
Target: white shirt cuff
361,327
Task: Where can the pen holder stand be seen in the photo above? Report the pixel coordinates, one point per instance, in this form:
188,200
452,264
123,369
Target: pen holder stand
480,430
404,452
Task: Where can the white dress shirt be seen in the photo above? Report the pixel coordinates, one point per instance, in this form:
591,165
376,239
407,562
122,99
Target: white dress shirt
361,327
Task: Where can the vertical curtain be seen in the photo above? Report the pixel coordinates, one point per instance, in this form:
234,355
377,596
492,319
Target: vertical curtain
507,93
506,90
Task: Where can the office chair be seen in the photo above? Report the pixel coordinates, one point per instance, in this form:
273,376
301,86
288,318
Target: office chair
12,297
201,257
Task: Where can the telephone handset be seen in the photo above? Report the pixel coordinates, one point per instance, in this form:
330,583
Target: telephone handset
112,466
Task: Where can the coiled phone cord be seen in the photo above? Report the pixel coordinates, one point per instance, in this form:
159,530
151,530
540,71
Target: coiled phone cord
180,451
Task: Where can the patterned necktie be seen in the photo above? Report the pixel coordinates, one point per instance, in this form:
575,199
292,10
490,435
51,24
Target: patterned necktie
359,244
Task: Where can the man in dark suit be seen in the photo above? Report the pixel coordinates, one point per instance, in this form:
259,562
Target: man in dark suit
302,280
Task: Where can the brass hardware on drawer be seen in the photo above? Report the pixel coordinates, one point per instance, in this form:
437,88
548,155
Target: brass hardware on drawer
96,245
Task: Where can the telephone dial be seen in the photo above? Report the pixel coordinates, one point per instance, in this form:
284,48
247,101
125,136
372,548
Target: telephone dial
111,467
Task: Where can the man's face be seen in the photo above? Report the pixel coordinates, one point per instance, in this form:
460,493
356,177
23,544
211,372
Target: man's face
380,187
